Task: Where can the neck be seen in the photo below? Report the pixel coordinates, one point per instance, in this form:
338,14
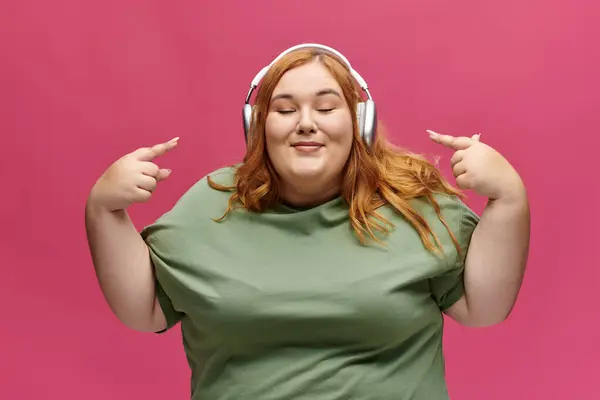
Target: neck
307,196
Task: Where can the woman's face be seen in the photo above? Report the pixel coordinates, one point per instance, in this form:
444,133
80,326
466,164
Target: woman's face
309,133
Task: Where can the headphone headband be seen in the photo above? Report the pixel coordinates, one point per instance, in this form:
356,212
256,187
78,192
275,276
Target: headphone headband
261,74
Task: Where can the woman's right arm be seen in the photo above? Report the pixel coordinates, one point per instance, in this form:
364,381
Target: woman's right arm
120,255
124,269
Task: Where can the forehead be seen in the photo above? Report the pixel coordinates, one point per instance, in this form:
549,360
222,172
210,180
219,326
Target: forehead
307,78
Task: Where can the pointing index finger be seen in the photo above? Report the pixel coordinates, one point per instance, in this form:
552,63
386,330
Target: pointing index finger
150,153
453,142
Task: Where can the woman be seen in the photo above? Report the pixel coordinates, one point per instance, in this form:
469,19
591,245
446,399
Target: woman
319,268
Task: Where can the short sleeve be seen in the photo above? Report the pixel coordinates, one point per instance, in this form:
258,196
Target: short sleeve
448,287
172,240
159,253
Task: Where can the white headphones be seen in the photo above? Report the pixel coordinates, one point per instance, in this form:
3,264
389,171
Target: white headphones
365,111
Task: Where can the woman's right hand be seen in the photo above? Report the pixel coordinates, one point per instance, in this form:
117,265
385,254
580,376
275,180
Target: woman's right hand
131,179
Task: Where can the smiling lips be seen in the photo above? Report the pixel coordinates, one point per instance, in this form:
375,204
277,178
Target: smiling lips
307,147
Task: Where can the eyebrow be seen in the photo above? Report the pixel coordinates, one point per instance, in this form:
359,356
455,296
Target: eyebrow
319,93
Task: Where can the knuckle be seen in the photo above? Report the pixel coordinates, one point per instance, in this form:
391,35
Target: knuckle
158,148
153,169
140,151
144,196
464,182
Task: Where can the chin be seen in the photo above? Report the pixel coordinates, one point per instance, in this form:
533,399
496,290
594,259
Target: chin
307,172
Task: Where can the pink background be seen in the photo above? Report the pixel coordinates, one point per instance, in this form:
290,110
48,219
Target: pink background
82,83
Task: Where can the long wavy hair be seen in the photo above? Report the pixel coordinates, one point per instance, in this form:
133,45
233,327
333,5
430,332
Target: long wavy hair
372,177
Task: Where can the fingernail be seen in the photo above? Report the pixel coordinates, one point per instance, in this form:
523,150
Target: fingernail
431,133
174,140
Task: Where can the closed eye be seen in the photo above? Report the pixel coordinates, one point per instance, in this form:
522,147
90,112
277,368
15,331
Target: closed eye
321,110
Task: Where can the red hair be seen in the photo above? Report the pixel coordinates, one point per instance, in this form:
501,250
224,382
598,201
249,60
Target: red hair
381,175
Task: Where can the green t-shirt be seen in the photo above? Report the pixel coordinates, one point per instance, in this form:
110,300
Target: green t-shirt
287,304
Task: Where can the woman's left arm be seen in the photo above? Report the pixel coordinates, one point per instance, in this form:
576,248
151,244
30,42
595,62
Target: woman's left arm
499,247
495,263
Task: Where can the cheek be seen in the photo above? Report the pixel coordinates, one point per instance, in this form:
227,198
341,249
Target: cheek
276,142
341,137
341,133
270,134
275,131
344,148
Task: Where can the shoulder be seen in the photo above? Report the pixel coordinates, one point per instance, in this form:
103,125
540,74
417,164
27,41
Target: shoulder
202,196
451,207
457,216
199,204
461,219
224,176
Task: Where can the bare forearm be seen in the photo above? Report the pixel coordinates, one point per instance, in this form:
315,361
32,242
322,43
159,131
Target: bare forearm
497,258
123,267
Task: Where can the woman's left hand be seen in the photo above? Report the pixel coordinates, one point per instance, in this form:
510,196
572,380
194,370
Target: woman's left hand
480,168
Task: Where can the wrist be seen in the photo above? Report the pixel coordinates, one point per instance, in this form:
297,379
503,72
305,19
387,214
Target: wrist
93,202
95,205
516,200
515,193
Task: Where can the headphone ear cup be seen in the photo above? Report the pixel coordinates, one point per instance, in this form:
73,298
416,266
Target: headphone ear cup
246,119
360,118
369,122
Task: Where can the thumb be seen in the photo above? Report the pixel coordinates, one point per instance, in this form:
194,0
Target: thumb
163,174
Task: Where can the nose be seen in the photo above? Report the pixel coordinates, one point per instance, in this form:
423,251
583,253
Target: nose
306,124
